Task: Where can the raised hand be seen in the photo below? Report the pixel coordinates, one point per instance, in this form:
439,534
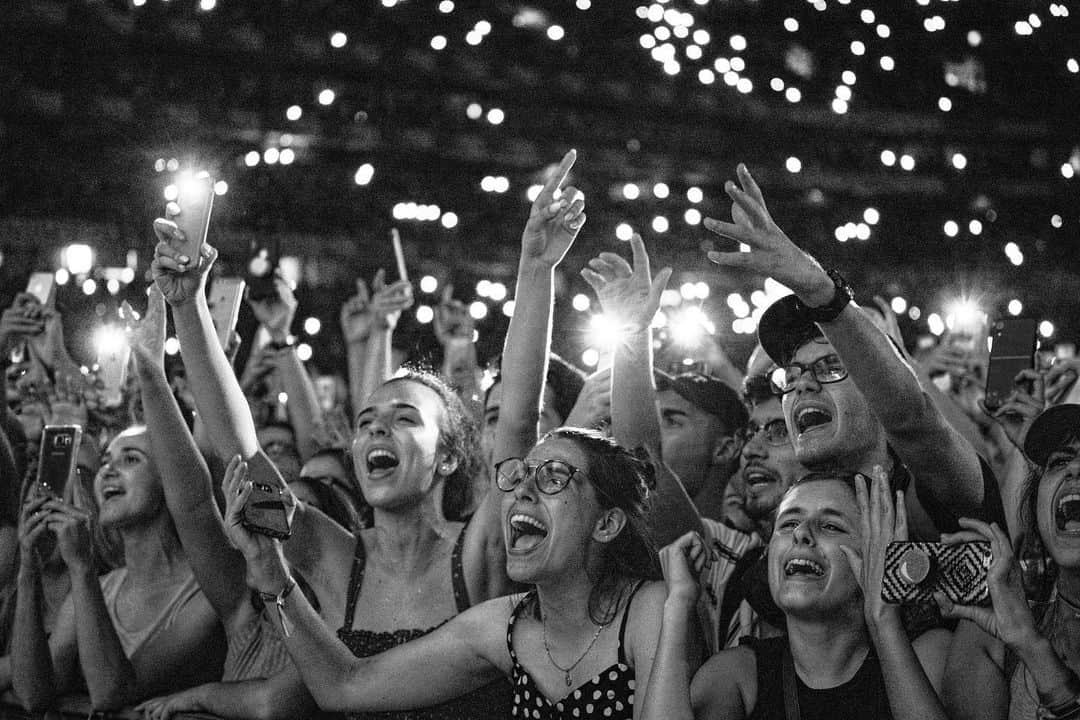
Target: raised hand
181,279
389,301
146,335
264,363
275,313
1061,380
1008,618
452,319
593,405
265,563
881,523
554,222
771,253
22,319
629,296
1020,409
682,562
67,405
71,525
33,526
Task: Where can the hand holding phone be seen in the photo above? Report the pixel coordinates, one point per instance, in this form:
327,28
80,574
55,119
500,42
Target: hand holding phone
191,213
266,510
914,571
1012,351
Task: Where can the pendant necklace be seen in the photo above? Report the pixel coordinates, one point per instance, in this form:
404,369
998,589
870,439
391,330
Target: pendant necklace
567,670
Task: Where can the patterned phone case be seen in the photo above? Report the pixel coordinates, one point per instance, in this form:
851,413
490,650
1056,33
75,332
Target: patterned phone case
914,571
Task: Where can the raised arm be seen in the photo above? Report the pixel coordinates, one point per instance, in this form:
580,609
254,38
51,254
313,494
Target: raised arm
218,397
185,478
549,233
454,328
630,297
466,653
387,302
943,463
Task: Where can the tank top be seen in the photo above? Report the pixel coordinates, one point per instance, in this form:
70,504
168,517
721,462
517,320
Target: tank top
132,640
860,698
490,701
608,694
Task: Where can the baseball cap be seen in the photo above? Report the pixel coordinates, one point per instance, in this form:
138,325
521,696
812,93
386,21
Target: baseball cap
707,393
1053,428
783,329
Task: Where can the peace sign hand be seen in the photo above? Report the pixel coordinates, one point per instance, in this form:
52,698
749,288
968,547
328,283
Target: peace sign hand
771,253
554,223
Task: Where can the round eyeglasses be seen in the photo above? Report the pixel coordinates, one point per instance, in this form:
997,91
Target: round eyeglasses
827,369
552,476
775,432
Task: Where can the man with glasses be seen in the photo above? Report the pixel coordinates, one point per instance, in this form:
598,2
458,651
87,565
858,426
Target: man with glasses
850,399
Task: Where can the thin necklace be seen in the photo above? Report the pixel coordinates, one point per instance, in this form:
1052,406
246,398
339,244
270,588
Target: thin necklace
567,670
1069,603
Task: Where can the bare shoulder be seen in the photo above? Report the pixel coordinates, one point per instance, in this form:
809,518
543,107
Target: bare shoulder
726,685
485,626
642,622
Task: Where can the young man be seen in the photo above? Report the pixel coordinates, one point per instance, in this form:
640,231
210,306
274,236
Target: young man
850,399
700,422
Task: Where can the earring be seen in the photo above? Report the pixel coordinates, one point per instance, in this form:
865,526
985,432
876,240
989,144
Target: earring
444,469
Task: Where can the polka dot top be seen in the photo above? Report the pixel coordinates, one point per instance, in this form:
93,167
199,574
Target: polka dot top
609,694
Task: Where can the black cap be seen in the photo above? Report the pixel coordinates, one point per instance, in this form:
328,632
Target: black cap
783,329
707,393
1052,429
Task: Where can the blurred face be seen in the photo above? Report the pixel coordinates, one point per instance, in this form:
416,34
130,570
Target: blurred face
549,420
279,444
396,446
127,486
735,506
809,575
829,422
1058,504
767,469
688,439
547,536
322,470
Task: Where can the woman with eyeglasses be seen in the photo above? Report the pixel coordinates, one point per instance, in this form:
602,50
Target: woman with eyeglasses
577,645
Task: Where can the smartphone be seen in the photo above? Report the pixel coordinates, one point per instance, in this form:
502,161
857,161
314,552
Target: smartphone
264,511
1012,349
224,299
59,453
914,571
399,254
195,196
42,285
262,269
112,365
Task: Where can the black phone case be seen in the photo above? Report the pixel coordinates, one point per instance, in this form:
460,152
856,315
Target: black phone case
264,512
1013,350
958,571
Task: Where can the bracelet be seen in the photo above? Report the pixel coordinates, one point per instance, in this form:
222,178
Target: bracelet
279,600
288,342
842,295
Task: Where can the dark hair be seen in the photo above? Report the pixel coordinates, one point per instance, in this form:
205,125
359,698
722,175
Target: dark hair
847,477
349,507
565,380
622,479
459,438
758,388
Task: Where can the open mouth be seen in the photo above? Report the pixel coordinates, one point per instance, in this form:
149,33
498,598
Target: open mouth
811,417
757,476
109,492
803,567
1068,513
526,532
381,459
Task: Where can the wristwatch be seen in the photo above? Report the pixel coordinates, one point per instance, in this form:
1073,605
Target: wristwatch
277,346
830,311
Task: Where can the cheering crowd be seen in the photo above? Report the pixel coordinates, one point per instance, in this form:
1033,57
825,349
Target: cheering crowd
630,544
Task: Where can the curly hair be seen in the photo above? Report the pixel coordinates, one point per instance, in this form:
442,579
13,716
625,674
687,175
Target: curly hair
459,437
623,479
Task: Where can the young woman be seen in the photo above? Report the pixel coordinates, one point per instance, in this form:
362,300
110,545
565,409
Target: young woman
576,646
1011,660
141,629
846,654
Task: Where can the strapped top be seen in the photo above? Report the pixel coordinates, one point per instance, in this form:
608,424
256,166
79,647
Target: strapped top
608,694
492,700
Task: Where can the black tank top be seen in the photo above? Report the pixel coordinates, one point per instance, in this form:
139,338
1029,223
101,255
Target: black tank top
860,698
493,700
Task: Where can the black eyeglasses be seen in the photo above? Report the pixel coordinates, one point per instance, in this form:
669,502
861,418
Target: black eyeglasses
828,369
775,432
552,476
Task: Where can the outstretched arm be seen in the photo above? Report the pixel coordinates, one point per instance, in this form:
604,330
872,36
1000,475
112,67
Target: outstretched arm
189,493
943,463
279,697
630,297
549,233
466,653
